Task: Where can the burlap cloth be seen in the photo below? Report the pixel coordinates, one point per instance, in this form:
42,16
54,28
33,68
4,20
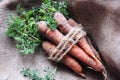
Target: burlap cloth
12,62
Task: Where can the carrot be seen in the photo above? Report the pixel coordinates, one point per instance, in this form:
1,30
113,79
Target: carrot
55,36
65,27
67,60
93,49
73,23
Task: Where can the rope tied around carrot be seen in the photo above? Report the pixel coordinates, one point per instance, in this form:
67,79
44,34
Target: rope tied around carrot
65,37
67,43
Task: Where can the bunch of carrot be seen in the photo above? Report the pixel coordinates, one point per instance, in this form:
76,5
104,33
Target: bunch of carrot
84,51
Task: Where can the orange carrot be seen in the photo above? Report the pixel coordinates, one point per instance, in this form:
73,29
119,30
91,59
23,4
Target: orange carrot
67,60
93,49
65,27
73,23
55,36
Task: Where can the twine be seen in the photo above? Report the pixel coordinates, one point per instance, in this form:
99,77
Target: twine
67,43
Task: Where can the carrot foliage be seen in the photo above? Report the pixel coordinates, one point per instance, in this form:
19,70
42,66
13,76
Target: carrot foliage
23,28
35,74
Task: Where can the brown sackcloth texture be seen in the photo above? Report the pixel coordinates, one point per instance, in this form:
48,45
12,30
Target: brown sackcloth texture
12,62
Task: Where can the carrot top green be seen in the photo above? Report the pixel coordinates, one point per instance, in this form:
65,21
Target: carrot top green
35,74
23,28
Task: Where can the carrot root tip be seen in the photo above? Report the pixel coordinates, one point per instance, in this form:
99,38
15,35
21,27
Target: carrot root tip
82,75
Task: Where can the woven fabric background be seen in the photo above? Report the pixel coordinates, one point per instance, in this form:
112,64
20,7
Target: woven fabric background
12,62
